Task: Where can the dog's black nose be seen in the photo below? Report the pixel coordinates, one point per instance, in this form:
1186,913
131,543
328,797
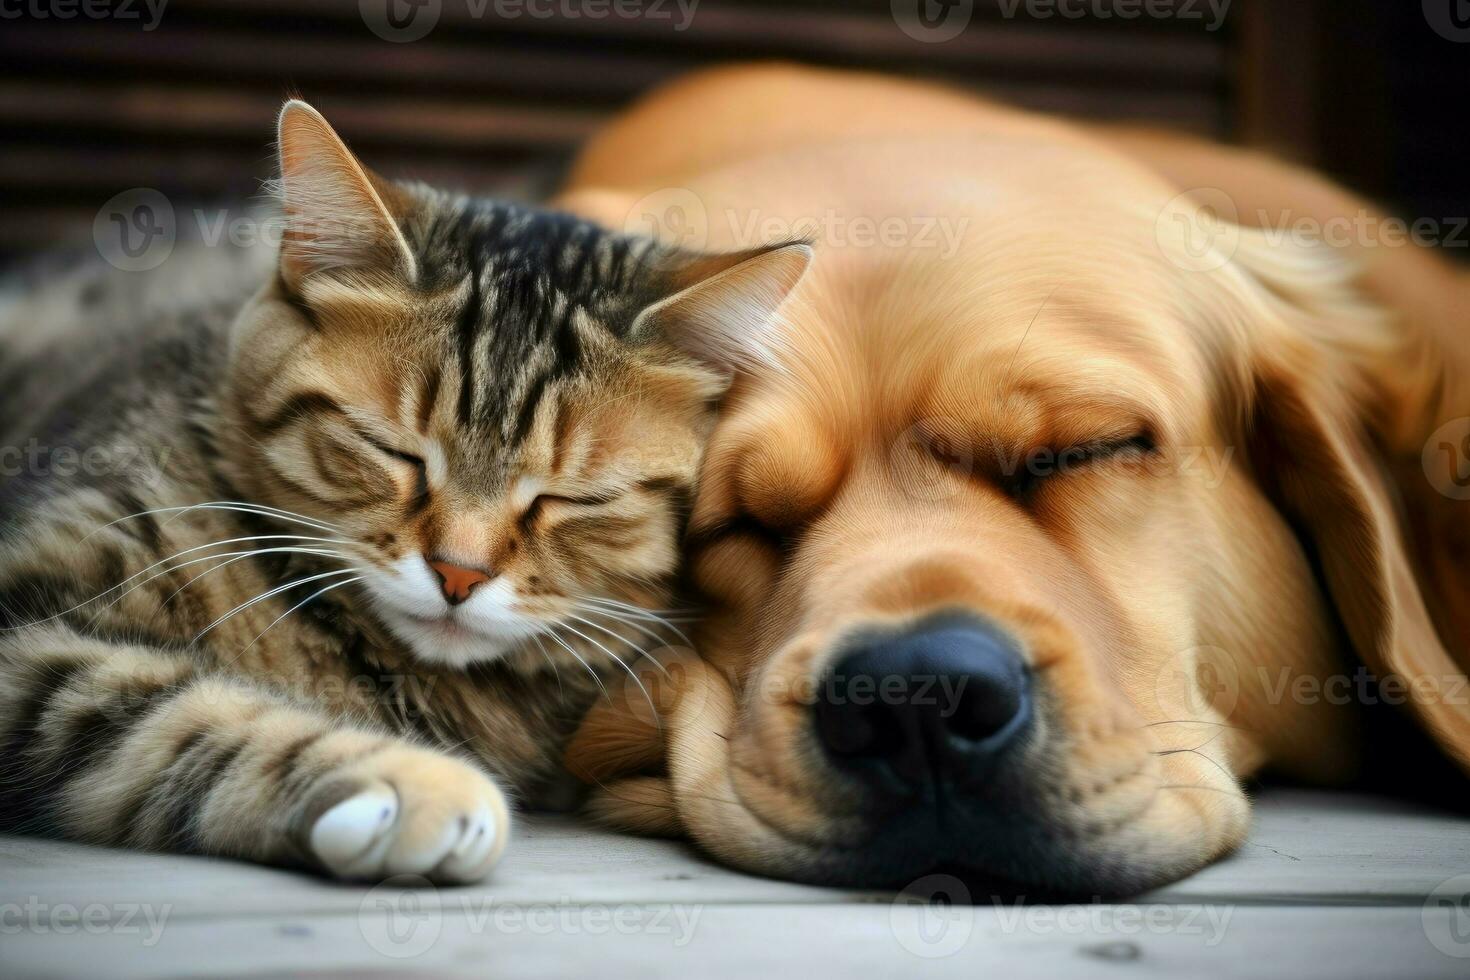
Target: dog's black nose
936,702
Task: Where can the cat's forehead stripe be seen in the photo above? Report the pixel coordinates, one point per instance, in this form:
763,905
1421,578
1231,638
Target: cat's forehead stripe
537,283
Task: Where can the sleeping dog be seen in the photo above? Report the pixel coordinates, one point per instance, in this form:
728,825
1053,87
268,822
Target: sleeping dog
1021,555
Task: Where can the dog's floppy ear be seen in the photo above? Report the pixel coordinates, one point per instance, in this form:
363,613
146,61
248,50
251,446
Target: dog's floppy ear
1331,380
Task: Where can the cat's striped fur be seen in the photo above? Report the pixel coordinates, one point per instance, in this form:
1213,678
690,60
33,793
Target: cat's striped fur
422,376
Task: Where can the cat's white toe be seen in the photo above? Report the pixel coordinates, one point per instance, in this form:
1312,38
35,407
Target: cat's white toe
447,846
475,853
416,813
351,837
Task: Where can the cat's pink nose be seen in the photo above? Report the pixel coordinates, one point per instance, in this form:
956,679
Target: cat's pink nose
457,581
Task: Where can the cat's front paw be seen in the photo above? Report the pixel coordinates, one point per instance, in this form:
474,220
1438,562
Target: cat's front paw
408,811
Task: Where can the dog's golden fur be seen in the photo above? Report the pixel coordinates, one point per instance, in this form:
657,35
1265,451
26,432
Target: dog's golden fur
1269,516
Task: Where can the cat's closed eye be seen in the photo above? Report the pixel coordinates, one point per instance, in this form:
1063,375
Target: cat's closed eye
420,470
541,501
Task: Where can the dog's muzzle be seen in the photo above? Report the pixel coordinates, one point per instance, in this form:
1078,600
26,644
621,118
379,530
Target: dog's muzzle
926,709
936,724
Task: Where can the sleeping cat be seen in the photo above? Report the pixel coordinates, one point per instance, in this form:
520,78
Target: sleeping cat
403,486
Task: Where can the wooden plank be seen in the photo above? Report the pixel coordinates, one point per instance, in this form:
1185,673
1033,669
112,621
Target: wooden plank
436,935
1331,885
549,857
1336,848
1307,848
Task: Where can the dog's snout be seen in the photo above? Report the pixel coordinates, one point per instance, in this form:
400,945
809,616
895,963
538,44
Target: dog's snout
935,703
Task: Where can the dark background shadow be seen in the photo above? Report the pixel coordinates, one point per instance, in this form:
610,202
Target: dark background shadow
496,92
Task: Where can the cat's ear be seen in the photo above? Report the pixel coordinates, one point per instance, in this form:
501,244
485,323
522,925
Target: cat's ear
721,308
339,215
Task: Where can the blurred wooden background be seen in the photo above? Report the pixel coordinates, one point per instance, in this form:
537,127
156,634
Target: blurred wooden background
91,107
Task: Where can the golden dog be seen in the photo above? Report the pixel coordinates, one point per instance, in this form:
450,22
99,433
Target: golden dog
1037,536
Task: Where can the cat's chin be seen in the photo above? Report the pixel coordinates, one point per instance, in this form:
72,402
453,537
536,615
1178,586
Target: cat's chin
447,642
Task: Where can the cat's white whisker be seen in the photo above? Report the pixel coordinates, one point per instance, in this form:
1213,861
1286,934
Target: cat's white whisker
595,676
624,618
555,670
265,510
638,612
618,660
315,595
233,557
241,507
165,561
305,580
631,607
613,633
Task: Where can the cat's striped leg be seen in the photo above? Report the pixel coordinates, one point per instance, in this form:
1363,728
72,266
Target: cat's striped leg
137,747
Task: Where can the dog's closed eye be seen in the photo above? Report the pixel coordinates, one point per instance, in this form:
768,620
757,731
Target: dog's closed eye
1047,464
744,525
1022,474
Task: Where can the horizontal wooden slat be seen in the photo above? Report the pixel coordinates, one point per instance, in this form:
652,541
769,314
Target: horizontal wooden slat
248,116
176,112
499,57
748,21
91,107
363,65
202,172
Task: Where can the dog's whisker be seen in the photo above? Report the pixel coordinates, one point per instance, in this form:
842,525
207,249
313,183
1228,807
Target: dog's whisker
1206,789
665,806
1214,762
1193,721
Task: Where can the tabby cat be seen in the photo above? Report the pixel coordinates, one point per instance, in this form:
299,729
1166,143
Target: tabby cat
405,482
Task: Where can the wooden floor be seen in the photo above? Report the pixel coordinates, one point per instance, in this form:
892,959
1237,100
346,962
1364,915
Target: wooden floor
1329,886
